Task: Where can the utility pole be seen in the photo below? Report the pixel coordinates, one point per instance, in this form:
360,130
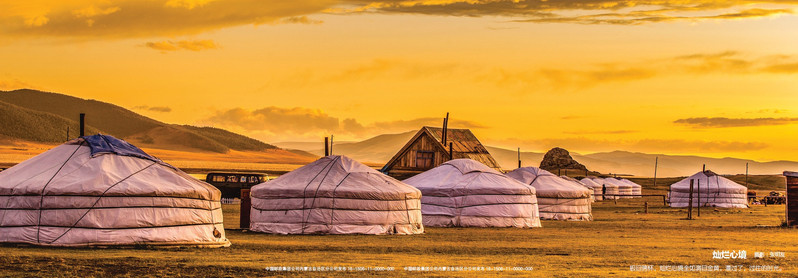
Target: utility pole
690,202
656,163
746,174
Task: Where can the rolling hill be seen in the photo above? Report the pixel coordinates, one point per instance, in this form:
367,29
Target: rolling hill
381,148
375,150
17,122
43,117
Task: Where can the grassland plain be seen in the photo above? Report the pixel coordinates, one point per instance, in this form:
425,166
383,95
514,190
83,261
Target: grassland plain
621,235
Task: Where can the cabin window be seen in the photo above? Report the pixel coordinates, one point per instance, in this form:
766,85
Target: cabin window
424,159
253,179
232,179
218,178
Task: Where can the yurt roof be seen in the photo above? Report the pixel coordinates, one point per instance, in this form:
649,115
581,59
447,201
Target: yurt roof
604,182
548,184
336,176
590,182
466,177
709,177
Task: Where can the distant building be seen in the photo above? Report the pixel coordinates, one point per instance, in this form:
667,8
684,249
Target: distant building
426,150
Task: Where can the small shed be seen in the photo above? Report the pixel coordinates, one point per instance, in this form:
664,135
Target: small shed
429,148
792,198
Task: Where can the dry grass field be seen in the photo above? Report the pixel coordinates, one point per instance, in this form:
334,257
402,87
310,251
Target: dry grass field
621,235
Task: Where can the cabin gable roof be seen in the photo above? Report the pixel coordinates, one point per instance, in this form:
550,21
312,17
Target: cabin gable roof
464,145
406,148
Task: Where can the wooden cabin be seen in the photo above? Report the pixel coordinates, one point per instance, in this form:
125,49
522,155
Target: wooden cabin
427,150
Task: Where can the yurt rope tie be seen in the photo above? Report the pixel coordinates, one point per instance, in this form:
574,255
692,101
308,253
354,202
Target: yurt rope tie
466,193
407,211
332,210
215,231
308,185
717,185
41,200
313,203
407,207
98,200
306,189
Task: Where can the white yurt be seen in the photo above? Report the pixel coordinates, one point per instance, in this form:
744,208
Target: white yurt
609,189
597,191
335,195
709,190
636,188
101,191
625,190
582,184
558,199
466,193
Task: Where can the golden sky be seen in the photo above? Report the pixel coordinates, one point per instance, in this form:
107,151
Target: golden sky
713,78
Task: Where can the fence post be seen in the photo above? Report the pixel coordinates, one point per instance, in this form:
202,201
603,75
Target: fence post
246,207
699,197
690,203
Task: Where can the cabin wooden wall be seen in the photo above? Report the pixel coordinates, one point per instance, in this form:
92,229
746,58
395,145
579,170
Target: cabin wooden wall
423,143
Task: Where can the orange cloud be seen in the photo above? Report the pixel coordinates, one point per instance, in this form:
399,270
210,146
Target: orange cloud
600,132
300,20
133,18
643,17
716,122
783,68
585,78
587,11
565,78
188,4
297,120
305,121
14,84
163,109
182,45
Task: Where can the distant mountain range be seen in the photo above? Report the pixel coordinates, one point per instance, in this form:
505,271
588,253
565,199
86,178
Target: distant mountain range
44,117
36,116
381,148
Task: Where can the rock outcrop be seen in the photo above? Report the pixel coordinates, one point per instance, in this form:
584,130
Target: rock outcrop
559,158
